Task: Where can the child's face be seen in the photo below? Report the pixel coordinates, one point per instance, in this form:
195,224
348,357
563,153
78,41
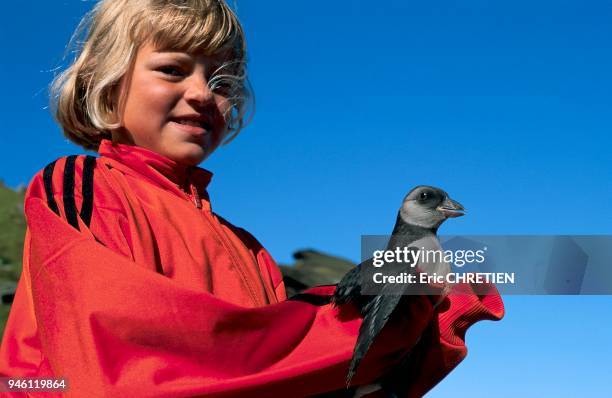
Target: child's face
169,108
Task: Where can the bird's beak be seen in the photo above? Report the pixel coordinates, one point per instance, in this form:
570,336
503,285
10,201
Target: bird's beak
451,208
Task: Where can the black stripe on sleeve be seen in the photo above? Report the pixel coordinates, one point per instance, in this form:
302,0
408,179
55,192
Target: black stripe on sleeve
69,202
87,189
48,181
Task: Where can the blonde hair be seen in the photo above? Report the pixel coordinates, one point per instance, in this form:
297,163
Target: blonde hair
85,96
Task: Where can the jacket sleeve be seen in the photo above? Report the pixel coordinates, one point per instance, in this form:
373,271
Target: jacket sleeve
441,346
85,312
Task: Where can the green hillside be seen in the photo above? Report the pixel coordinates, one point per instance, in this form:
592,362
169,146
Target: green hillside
12,231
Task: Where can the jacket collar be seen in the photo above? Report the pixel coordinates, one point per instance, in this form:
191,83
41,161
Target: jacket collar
158,169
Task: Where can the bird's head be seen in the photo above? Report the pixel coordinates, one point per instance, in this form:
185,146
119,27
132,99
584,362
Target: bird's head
429,207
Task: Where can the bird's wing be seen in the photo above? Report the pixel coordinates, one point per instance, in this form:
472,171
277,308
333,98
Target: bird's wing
378,310
349,288
377,313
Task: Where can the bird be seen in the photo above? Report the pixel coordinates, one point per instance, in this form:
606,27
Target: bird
421,213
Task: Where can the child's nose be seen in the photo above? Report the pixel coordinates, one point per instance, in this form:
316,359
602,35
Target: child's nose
198,90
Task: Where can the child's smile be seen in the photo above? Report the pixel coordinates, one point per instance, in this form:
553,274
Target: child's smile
168,107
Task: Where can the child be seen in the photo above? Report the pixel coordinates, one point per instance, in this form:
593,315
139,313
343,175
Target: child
132,285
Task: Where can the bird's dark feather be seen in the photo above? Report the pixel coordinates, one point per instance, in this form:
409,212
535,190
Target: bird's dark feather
349,289
375,309
376,314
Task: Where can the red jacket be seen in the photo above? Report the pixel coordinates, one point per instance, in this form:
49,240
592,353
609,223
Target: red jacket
153,294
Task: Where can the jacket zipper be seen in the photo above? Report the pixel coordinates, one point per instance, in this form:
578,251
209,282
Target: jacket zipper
195,197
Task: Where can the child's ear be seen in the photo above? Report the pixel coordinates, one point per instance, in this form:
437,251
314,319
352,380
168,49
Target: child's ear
119,94
112,99
118,98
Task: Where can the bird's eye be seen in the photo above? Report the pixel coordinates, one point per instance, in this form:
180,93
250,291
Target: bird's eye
424,196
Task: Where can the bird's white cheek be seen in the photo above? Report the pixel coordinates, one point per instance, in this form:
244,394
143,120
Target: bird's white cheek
412,219
413,214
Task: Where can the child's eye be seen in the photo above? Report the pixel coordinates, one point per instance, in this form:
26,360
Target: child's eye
221,88
171,70
224,85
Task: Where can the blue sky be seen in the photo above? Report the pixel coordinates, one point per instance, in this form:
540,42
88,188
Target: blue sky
505,105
